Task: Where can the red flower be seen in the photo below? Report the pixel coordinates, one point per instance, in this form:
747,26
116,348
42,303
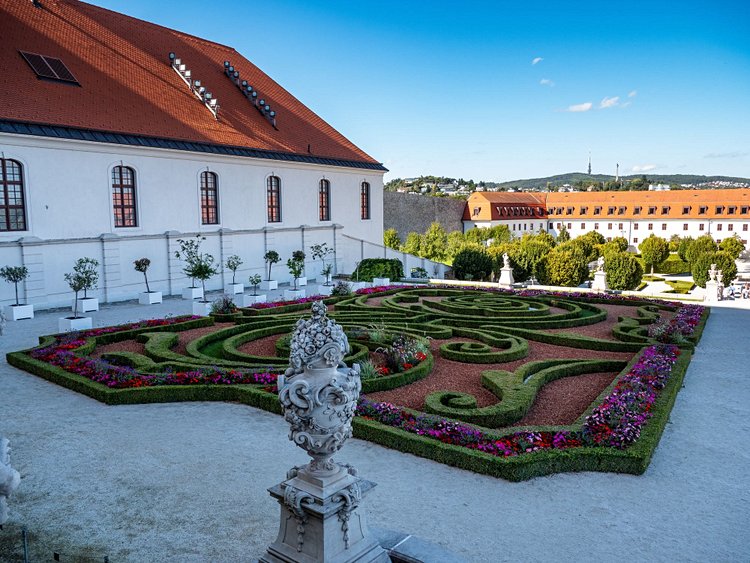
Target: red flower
408,366
421,356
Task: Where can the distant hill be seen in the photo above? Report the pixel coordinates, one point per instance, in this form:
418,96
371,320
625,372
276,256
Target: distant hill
574,177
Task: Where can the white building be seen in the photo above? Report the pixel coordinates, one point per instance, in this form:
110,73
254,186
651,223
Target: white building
118,137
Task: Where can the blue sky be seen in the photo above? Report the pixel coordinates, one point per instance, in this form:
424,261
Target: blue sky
503,90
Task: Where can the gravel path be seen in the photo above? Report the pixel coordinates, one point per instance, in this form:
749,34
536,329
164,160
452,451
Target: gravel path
187,482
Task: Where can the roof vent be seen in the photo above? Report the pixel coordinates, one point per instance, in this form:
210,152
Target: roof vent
250,93
195,86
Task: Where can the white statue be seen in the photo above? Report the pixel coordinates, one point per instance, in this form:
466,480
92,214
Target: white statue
712,273
9,479
506,261
719,276
600,264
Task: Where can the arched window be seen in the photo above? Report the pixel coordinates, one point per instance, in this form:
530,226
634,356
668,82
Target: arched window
123,196
364,200
209,199
12,205
273,193
324,200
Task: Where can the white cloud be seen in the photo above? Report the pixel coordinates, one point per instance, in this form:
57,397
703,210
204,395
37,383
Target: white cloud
735,154
577,108
536,60
609,102
633,94
546,82
644,167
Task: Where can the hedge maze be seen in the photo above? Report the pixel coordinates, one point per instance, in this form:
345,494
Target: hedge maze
502,345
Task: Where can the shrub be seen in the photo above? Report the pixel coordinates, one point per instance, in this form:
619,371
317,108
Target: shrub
699,246
418,273
563,235
341,288
685,243
673,265
563,266
224,306
623,271
654,250
391,239
472,264
733,246
391,268
723,261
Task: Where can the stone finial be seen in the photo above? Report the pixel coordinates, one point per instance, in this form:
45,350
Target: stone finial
10,479
318,393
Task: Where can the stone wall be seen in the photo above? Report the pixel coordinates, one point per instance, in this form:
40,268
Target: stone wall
407,213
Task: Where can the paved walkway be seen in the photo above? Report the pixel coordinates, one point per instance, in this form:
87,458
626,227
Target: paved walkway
187,481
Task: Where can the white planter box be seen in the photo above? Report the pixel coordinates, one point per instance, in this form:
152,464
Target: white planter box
248,300
376,282
302,281
290,294
192,293
70,324
269,285
201,308
149,297
234,288
358,285
86,305
18,312
325,289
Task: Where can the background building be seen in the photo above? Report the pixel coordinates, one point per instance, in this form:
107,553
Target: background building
118,136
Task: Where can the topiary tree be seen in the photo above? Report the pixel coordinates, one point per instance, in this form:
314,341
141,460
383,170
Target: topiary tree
654,250
434,243
685,243
14,275
496,251
391,239
271,257
624,271
141,265
413,244
472,264
233,264
530,252
189,251
593,238
322,251
255,282
732,246
674,243
86,267
499,234
563,235
620,242
201,268
723,261
699,246
564,267
77,282
296,265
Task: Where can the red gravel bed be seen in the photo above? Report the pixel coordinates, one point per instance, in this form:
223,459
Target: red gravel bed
604,328
124,346
186,336
562,401
265,346
448,375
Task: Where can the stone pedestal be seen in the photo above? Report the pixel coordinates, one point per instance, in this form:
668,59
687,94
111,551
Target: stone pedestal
600,281
506,277
712,291
322,520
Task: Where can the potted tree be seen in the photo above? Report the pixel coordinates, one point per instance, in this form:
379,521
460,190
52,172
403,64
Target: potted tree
190,251
321,252
356,284
271,257
299,256
86,267
248,300
77,282
15,275
233,264
201,268
327,287
296,267
147,297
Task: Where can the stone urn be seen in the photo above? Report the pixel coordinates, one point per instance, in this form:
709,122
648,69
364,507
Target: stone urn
10,479
321,514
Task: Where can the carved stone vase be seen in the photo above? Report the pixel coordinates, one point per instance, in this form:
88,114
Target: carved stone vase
321,515
10,479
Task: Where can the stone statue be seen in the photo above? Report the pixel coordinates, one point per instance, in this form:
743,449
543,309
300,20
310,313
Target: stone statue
600,264
10,479
321,516
506,260
712,273
719,277
319,399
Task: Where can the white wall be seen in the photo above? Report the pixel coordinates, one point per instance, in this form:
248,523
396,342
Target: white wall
69,214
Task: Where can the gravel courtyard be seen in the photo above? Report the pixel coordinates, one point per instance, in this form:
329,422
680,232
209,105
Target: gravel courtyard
187,482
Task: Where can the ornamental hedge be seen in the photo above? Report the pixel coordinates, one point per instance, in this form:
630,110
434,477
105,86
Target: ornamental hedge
616,433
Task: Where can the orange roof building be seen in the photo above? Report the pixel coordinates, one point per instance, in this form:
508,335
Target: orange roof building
634,215
119,136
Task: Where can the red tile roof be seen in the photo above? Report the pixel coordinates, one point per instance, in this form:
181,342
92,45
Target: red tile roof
128,86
